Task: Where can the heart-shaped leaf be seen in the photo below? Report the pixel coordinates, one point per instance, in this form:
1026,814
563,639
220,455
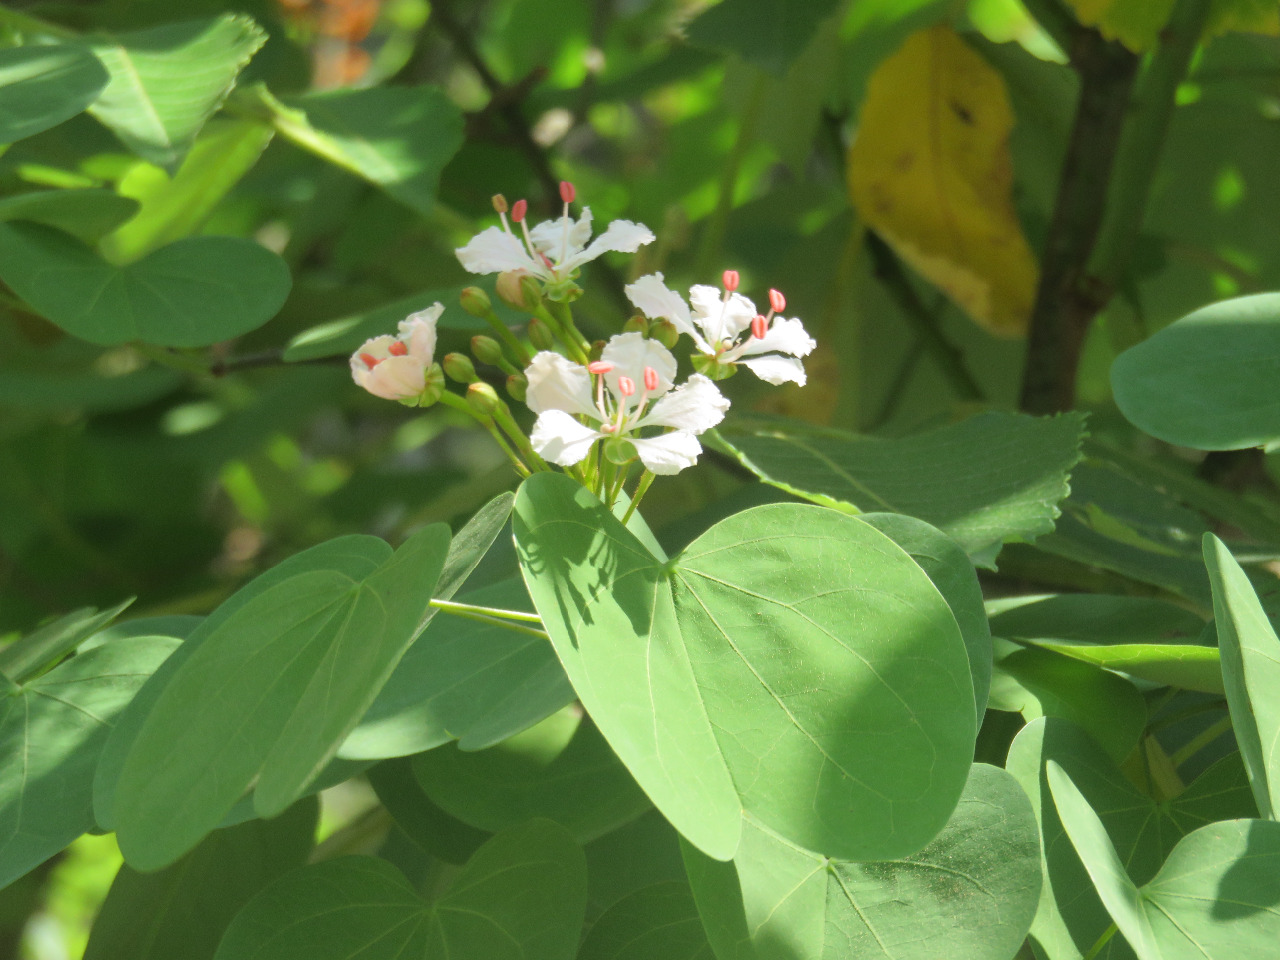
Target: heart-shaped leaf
189,294
659,922
792,662
520,897
87,214
41,86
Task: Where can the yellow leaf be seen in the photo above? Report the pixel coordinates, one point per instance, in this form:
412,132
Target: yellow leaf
1137,23
930,172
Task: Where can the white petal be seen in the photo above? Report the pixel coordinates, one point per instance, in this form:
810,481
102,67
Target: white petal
775,369
557,383
396,378
561,439
669,453
657,301
418,332
493,251
630,353
720,319
695,406
548,236
784,336
621,235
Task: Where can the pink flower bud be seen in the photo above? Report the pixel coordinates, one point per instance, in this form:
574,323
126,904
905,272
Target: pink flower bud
566,191
777,301
519,209
398,349
731,280
650,379
759,327
626,386
599,367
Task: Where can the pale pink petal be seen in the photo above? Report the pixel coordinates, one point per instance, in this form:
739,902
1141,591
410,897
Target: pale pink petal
561,439
622,236
557,383
669,453
719,319
494,251
396,378
657,301
630,353
694,406
418,332
776,369
784,336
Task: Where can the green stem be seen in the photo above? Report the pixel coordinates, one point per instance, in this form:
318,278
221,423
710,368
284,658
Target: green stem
1107,934
1200,741
565,316
496,622
641,490
452,400
517,348
572,344
459,609
512,429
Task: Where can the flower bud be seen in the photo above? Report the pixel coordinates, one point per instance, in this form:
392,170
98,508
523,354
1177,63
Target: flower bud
510,291
637,324
540,335
484,399
476,302
665,332
619,451
487,350
517,387
530,292
434,386
459,368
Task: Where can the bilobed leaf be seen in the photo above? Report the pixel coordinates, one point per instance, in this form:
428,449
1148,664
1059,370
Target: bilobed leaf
168,80
87,214
990,479
182,911
190,293
970,893
730,677
45,646
520,897
930,172
659,922
52,731
438,833
1250,671
41,86
1208,380
267,697
768,33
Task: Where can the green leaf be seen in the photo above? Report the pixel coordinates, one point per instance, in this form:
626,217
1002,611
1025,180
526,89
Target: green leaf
644,852
562,770
1208,380
41,86
970,893
398,138
168,80
86,214
340,337
267,697
658,922
729,678
176,207
993,478
951,572
519,898
191,293
182,911
52,731
439,834
26,657
1250,672
768,33
354,556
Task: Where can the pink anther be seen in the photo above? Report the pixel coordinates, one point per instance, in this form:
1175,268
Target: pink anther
759,327
566,191
370,360
626,386
519,209
397,349
731,280
650,379
777,301
598,367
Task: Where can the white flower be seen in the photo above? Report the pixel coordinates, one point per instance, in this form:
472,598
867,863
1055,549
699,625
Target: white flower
772,347
626,391
395,368
553,250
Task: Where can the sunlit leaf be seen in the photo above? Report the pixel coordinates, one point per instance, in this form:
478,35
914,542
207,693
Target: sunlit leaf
41,86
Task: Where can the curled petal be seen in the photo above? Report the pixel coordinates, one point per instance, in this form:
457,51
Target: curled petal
669,453
694,406
556,383
395,378
776,369
561,439
785,336
630,354
622,236
494,251
549,235
418,332
652,297
720,319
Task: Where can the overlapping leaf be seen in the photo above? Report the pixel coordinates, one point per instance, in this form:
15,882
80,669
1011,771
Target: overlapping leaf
86,214
658,922
41,86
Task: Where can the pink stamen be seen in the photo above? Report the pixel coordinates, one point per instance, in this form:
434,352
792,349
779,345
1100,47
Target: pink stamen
370,360
777,301
598,367
398,349
650,379
626,386
519,209
566,191
731,280
759,327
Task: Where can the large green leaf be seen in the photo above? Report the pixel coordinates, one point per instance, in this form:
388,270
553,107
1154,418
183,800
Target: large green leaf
168,80
970,893
182,911
354,556
399,138
1250,671
792,662
41,86
990,479
769,33
562,769
189,294
267,697
520,897
644,852
658,922
1207,380
86,214
1070,917
45,646
52,731
438,833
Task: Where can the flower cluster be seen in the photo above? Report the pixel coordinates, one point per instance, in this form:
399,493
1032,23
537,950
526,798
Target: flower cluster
600,407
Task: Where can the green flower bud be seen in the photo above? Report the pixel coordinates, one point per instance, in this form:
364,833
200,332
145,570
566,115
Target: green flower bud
665,332
510,289
459,368
517,387
713,368
530,292
483,398
487,350
476,302
637,324
620,451
434,386
540,335
563,291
